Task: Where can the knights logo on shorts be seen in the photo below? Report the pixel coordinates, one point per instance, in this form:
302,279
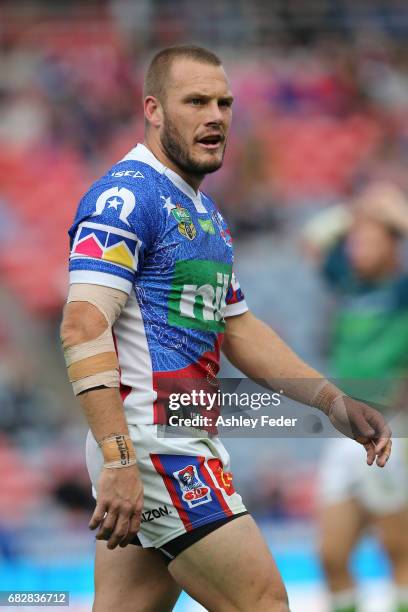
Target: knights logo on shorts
194,491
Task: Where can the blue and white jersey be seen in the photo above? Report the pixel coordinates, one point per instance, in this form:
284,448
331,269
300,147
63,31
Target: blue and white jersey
142,229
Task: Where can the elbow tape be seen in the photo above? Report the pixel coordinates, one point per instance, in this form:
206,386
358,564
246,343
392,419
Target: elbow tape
94,363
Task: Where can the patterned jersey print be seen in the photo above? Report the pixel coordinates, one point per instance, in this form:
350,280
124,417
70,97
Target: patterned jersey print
143,230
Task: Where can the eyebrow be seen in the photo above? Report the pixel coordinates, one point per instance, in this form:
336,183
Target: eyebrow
227,98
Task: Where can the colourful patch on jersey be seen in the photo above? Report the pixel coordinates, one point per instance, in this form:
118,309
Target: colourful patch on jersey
219,221
207,226
234,293
186,226
224,479
109,244
198,294
90,246
120,255
193,491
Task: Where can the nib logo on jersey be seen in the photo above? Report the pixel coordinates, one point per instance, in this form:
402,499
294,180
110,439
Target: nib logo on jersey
194,492
197,296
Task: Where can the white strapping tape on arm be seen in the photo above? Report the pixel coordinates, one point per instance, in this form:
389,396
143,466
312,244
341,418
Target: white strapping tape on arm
94,363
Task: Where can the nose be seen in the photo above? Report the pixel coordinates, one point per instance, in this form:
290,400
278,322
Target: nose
214,114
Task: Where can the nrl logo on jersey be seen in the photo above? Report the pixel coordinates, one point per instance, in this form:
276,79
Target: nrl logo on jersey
116,197
186,226
185,223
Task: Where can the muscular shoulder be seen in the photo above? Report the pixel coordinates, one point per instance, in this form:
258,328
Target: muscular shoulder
124,197
127,176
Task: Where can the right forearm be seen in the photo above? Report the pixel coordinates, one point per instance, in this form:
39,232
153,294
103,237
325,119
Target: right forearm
326,228
103,409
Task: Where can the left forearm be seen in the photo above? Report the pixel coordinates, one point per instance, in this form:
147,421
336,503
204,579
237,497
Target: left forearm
255,349
258,352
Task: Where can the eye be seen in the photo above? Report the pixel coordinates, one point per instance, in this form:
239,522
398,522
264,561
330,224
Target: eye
196,101
225,103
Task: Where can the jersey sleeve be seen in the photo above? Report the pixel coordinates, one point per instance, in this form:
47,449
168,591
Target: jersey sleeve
402,292
114,227
235,299
336,269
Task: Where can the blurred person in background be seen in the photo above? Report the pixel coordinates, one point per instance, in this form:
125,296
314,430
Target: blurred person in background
145,232
359,251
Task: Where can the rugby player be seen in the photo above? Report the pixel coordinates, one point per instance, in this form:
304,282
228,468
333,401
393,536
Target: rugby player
152,297
359,248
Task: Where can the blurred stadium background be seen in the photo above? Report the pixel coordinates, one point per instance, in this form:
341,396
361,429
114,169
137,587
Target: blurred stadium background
321,106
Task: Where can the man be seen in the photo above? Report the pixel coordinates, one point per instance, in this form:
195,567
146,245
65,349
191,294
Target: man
359,248
151,263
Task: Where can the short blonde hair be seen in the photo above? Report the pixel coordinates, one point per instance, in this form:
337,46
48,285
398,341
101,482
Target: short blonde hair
157,74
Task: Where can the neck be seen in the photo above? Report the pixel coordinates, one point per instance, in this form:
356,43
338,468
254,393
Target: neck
194,180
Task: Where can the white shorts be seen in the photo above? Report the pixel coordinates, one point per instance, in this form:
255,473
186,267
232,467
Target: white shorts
187,482
344,474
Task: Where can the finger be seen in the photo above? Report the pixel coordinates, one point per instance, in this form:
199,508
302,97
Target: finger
381,445
385,454
120,532
134,526
360,426
107,526
377,422
369,446
97,516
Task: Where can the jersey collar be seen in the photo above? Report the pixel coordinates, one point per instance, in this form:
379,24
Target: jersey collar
143,154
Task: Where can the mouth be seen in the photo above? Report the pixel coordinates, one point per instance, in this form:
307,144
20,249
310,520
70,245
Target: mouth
211,141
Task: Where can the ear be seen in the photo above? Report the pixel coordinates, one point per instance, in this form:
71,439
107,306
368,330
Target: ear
153,111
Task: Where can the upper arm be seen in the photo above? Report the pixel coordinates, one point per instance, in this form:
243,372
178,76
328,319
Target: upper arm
238,329
81,322
114,228
90,310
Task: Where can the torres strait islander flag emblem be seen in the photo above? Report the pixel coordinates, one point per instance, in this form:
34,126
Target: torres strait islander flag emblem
107,243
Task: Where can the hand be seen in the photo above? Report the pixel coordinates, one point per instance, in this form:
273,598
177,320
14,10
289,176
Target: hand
363,424
119,506
385,203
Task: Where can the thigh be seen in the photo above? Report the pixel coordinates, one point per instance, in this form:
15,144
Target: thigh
340,526
132,579
391,529
231,569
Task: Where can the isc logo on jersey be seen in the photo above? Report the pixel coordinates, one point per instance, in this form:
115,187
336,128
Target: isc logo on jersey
194,492
197,296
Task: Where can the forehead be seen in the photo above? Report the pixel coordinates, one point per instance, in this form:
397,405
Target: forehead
369,229
188,75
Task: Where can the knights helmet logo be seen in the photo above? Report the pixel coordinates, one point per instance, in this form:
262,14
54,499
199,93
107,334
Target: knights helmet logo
116,197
